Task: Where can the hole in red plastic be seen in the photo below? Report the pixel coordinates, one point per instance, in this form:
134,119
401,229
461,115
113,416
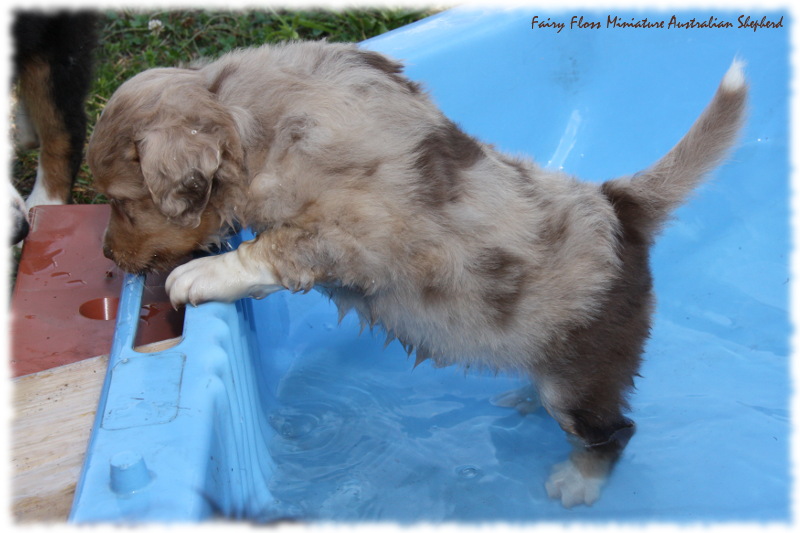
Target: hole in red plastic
100,308
158,321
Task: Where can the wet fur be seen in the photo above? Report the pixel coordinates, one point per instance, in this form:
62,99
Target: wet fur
358,186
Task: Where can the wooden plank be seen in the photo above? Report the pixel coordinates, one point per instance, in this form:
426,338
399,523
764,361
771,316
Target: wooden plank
158,346
53,415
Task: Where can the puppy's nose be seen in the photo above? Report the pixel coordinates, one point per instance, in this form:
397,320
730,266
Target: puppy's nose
108,252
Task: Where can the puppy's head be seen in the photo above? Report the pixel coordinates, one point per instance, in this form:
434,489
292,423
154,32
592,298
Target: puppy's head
164,152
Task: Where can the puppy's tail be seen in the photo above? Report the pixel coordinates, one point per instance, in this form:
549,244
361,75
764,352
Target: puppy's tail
657,191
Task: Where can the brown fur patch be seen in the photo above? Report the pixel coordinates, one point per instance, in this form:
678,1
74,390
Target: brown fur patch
556,232
524,183
140,239
391,68
634,217
56,154
224,74
363,170
503,277
434,295
441,157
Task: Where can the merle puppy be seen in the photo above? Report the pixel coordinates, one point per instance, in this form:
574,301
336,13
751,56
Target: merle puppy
358,186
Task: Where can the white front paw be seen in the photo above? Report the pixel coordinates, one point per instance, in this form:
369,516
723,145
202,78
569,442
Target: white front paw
571,487
219,278
195,282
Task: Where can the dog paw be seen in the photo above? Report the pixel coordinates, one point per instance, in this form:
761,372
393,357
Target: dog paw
573,488
219,278
525,399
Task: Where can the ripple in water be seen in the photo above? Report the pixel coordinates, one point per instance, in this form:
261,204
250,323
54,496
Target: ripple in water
352,444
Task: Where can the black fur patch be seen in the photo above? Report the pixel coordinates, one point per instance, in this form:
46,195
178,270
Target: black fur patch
601,435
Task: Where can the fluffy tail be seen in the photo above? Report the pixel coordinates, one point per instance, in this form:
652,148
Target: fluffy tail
657,191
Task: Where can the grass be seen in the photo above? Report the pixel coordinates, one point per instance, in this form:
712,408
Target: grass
132,41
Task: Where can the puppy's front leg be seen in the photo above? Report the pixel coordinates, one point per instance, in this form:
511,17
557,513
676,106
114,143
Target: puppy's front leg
227,277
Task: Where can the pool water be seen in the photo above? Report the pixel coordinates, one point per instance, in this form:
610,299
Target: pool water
360,434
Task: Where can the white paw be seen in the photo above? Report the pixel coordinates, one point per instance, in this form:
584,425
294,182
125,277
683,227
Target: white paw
40,195
218,278
571,487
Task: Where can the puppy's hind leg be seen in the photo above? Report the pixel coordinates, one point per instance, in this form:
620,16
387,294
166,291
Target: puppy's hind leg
586,375
598,442
584,386
524,399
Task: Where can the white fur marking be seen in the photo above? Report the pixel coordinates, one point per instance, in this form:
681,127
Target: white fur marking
222,278
734,79
567,483
25,136
38,195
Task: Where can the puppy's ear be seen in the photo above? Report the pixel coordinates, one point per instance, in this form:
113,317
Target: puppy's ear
179,166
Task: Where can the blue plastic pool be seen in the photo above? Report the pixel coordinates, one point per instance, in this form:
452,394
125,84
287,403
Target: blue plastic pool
270,410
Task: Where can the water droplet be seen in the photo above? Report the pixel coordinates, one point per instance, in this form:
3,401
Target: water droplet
468,471
293,426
